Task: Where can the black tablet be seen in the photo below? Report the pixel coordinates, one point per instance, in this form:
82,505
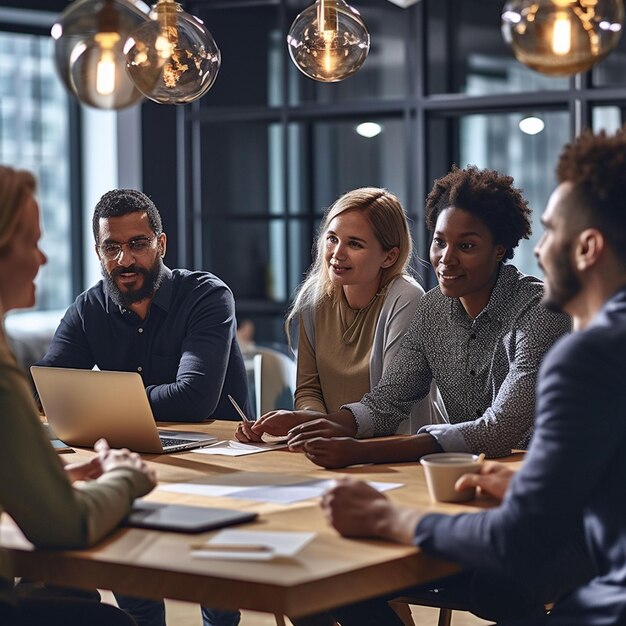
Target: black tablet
184,519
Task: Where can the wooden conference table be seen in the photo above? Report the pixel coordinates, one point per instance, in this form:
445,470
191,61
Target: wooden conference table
328,572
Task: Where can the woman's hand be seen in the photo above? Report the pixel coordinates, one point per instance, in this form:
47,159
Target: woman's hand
332,453
280,422
85,470
245,434
315,429
116,459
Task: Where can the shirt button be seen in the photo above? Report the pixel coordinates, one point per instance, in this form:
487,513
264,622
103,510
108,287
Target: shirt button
472,373
140,369
473,336
140,330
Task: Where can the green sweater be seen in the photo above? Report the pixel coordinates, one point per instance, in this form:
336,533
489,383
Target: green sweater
34,489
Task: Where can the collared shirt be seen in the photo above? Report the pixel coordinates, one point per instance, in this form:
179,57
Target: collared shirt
485,368
185,350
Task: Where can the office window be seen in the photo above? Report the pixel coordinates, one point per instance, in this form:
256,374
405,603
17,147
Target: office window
276,148
252,61
497,142
34,135
608,118
328,158
610,73
466,52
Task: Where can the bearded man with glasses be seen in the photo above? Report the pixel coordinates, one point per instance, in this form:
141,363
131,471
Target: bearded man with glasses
177,328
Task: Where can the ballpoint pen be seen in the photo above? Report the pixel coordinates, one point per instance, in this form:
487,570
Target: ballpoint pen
238,409
230,547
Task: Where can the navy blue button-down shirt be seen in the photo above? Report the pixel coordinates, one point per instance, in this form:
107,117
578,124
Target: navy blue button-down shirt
185,350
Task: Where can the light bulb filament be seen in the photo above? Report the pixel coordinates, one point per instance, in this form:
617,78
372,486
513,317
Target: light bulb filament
328,36
164,46
562,35
105,74
105,68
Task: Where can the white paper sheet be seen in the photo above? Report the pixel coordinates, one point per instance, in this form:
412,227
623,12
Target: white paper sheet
201,490
265,491
236,448
288,494
279,544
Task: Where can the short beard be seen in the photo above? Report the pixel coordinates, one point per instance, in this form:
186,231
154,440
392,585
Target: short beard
152,278
565,284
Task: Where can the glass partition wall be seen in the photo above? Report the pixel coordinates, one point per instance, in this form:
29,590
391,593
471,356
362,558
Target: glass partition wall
267,149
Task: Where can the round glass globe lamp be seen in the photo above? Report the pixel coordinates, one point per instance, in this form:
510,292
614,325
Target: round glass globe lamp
89,55
562,37
328,41
172,59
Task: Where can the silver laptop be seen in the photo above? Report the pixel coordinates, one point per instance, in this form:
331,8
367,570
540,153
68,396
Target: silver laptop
84,405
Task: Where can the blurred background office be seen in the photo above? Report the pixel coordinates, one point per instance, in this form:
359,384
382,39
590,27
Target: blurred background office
242,175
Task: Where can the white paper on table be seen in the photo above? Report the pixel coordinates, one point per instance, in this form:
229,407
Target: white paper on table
261,488
237,448
198,489
224,485
288,494
280,544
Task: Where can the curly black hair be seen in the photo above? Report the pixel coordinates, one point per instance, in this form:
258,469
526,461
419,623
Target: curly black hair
488,195
596,165
120,202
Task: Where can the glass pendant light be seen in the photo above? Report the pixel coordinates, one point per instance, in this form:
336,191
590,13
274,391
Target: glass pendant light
89,53
562,37
328,41
173,59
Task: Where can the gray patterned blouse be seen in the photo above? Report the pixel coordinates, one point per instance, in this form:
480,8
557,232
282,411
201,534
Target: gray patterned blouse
485,368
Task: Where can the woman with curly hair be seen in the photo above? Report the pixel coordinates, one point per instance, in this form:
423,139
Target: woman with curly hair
480,336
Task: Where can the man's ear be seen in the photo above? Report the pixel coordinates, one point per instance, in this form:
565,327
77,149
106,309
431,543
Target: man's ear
588,248
162,243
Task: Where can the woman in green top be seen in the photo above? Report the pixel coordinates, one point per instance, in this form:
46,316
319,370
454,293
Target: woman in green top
35,489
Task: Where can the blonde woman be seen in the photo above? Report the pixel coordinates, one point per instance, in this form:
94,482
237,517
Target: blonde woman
354,306
34,488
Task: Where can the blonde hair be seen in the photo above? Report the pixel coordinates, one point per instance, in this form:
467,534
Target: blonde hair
389,222
14,185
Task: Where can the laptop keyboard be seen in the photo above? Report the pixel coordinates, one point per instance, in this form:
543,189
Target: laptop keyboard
168,441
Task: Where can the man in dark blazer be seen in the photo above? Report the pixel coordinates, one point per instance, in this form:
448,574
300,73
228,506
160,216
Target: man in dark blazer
575,469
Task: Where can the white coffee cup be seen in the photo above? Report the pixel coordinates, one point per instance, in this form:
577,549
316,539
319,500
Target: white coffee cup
444,469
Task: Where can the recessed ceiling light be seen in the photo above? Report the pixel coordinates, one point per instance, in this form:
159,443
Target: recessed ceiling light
369,129
531,125
404,3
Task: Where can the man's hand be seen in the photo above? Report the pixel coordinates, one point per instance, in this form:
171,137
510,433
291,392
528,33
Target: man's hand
494,479
357,510
124,458
281,421
85,470
333,453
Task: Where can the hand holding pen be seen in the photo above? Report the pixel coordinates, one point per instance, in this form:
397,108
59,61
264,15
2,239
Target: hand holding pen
244,432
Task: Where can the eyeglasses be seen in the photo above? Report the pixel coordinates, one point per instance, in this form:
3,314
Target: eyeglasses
138,247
